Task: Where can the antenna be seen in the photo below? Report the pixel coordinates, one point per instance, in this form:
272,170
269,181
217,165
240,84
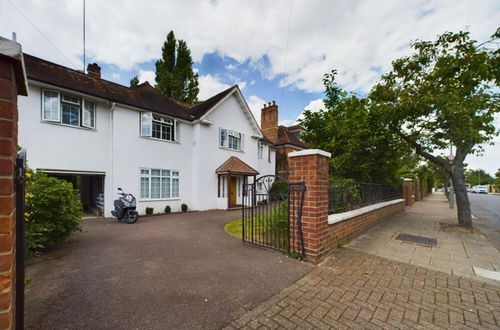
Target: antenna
83,35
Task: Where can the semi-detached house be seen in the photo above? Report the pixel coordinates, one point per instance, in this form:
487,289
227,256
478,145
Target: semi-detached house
101,136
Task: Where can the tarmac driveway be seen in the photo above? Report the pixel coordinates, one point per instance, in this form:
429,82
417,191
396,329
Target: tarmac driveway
164,272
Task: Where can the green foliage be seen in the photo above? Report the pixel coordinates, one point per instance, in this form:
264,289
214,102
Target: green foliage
279,190
52,211
134,81
478,177
174,71
149,210
168,209
184,207
346,194
361,148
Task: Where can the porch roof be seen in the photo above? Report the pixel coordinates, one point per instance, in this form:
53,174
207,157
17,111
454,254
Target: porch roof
234,165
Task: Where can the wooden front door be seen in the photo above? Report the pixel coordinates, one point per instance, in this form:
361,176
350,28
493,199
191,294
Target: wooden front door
232,191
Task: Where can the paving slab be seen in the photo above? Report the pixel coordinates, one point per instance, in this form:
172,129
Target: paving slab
357,290
456,252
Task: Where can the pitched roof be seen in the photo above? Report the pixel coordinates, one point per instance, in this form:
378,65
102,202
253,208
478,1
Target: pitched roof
143,96
236,166
295,128
203,107
286,137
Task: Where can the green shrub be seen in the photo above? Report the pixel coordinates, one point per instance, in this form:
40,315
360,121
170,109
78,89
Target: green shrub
168,209
149,210
184,207
52,211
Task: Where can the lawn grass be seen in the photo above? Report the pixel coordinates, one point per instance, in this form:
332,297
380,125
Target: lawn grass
234,228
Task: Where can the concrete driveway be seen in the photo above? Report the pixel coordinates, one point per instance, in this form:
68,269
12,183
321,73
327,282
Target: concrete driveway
164,272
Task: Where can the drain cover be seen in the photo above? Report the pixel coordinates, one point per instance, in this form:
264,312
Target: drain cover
417,239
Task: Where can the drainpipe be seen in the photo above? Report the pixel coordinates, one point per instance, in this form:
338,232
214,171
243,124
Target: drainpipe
111,153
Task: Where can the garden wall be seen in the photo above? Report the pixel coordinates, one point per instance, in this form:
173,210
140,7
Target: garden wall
344,226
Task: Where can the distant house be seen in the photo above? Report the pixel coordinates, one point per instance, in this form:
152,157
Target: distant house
101,136
284,139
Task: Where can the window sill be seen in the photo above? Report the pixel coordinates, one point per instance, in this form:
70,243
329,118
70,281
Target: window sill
229,149
160,199
56,123
160,140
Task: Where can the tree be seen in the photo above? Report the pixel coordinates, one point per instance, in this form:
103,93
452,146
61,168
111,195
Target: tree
478,177
444,94
361,149
134,81
174,71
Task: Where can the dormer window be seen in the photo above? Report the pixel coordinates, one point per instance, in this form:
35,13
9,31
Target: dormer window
67,109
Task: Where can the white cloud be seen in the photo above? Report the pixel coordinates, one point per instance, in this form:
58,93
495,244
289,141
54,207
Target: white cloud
314,106
255,104
209,86
354,37
147,75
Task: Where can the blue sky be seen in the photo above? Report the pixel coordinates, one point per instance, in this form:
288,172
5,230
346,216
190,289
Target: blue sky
275,50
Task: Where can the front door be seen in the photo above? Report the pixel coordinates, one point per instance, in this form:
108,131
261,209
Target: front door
232,191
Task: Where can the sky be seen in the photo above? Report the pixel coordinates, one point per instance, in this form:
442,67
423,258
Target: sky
274,50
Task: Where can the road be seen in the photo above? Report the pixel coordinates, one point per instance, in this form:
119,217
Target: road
487,209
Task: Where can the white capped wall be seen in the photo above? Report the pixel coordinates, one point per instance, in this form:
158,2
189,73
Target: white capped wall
116,148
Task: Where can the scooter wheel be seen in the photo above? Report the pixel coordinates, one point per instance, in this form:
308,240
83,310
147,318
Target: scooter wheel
131,217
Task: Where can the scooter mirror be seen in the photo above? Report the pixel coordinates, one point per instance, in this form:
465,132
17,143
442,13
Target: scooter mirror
120,189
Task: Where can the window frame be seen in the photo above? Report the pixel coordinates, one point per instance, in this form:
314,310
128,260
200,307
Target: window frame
260,149
170,179
148,117
60,101
225,136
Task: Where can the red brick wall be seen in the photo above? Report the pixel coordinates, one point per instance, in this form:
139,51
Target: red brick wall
350,227
408,192
8,144
269,121
313,170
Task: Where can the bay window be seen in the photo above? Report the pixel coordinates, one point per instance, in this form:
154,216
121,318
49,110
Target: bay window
159,184
67,109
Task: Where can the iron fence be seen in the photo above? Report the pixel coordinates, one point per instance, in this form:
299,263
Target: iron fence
346,195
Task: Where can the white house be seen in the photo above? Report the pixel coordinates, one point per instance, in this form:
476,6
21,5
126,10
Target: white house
101,136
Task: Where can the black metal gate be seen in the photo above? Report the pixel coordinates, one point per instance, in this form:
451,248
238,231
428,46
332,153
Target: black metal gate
272,214
19,185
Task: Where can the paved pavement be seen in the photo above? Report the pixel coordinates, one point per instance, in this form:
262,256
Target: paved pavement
357,290
377,282
180,271
456,252
487,210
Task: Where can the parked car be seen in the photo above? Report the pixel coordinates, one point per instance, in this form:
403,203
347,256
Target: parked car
480,189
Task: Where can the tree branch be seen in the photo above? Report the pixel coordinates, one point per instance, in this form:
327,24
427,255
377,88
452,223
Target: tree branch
419,150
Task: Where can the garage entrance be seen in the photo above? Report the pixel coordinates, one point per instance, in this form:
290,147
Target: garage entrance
90,188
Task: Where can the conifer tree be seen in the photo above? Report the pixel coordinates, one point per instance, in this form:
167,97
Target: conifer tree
174,71
134,81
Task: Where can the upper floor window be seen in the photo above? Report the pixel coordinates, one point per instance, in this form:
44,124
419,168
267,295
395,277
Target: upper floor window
67,109
230,139
159,127
260,149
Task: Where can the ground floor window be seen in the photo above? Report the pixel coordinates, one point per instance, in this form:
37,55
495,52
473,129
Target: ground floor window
159,183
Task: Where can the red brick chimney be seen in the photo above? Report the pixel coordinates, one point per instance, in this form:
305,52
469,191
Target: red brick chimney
94,70
269,121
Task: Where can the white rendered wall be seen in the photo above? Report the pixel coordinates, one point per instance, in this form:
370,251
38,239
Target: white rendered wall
230,115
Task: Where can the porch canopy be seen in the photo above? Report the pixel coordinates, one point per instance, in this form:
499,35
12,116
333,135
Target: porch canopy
229,171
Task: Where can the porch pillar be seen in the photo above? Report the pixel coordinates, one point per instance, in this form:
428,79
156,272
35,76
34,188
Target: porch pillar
311,167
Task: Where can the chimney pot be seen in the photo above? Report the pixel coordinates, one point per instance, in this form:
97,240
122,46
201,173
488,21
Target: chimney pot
274,102
94,70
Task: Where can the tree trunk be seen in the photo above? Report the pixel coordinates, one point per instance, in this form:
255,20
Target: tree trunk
463,204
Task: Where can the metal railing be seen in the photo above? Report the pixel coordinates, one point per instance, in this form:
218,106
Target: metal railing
346,195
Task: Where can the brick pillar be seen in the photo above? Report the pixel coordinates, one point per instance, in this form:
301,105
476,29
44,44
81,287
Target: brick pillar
311,167
408,192
12,83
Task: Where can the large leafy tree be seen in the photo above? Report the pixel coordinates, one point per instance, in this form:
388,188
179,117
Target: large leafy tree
361,149
134,81
174,71
478,177
444,94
